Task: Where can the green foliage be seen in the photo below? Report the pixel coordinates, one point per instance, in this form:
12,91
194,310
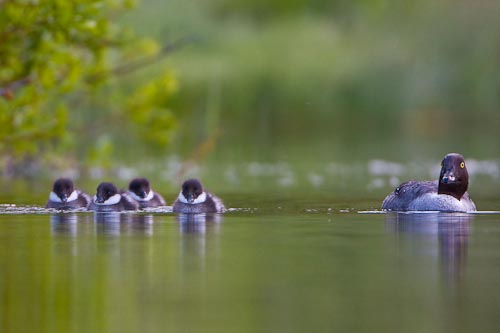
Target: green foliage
265,74
101,153
53,52
344,71
50,45
149,109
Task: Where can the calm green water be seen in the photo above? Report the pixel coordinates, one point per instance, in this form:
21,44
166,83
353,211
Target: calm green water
266,270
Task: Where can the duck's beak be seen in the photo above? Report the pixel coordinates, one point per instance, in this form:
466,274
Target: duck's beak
64,197
190,198
449,177
99,199
143,194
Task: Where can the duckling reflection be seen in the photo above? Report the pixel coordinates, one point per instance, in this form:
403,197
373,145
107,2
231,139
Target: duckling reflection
198,223
197,230
68,229
116,223
64,224
107,223
452,231
137,224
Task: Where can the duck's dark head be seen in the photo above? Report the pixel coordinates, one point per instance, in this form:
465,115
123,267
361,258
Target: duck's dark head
63,188
104,192
192,189
454,178
139,186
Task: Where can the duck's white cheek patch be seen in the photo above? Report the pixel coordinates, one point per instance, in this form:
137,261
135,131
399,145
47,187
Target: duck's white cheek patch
138,198
113,200
182,198
73,196
201,198
54,198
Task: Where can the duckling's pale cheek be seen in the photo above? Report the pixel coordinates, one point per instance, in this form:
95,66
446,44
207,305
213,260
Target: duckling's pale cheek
182,198
73,196
138,198
200,199
113,200
55,198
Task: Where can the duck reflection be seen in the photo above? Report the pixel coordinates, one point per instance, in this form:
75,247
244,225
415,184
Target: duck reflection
452,231
138,224
198,223
116,223
107,223
64,224
68,228
70,224
197,230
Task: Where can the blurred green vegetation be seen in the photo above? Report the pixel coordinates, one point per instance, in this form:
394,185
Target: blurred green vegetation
423,71
343,80
287,80
57,59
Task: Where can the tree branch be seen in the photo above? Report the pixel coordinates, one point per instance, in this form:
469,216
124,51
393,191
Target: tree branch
8,91
10,88
143,62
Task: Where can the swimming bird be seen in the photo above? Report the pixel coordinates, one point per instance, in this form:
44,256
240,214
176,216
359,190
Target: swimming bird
194,199
64,196
140,190
108,199
449,193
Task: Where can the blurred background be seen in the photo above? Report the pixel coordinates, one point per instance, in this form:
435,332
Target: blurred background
338,97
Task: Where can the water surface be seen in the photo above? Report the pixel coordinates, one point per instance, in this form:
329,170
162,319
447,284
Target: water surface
301,267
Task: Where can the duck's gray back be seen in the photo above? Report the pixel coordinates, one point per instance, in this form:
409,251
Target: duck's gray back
423,196
401,198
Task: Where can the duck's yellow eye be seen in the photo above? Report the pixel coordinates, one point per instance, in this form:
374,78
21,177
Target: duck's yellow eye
462,165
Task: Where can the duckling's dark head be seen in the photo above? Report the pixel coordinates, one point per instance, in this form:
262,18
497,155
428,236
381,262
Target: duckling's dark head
105,191
63,187
454,178
191,189
140,186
